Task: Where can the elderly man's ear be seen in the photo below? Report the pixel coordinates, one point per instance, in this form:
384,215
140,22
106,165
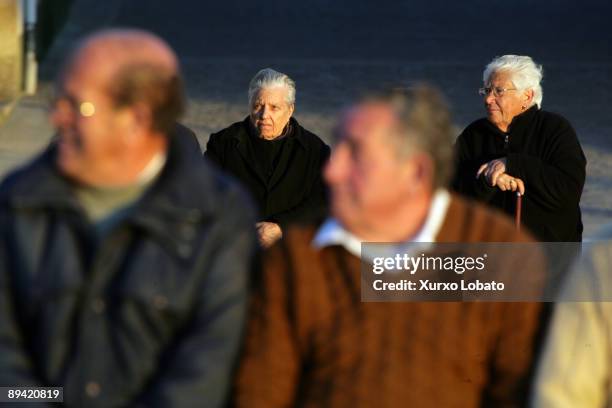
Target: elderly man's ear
139,120
418,173
527,98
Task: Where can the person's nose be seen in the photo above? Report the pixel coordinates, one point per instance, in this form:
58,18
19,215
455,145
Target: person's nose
264,112
489,98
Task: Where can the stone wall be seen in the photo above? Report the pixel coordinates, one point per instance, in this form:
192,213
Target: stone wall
11,49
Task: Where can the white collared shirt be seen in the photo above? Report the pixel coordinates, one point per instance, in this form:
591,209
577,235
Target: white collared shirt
333,233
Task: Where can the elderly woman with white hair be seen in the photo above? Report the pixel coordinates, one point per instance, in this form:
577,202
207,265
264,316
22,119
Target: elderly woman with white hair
520,148
274,157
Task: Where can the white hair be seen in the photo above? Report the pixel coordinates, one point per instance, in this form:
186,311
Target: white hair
269,78
524,74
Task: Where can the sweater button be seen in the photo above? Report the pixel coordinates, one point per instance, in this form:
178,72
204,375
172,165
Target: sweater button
160,302
92,389
98,305
188,232
184,250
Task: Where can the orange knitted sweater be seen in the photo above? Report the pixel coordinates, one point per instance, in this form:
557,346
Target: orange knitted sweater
311,342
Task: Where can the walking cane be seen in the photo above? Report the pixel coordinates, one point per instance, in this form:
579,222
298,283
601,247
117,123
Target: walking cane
517,210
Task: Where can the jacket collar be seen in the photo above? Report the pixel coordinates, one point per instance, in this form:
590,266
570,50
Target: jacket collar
245,149
170,209
519,122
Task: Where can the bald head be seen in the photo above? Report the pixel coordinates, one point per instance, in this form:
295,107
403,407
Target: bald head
112,50
135,67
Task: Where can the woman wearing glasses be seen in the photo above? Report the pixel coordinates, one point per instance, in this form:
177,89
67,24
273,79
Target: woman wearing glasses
520,148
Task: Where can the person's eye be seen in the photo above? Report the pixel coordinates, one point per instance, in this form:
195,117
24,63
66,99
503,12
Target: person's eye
499,91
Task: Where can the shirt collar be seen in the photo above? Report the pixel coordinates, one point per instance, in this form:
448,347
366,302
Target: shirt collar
152,169
177,197
333,233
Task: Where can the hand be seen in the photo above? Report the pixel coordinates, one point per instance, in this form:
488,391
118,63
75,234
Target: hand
492,170
506,182
268,233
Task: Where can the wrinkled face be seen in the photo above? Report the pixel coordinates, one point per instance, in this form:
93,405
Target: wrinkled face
502,109
367,180
90,129
270,111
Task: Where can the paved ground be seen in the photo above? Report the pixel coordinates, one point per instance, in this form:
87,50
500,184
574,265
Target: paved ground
334,50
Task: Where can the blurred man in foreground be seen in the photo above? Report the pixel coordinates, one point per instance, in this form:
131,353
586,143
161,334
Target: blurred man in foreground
123,256
312,342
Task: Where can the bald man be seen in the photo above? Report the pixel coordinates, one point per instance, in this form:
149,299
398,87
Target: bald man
123,256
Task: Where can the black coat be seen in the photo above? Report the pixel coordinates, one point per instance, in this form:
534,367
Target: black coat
541,148
151,314
295,191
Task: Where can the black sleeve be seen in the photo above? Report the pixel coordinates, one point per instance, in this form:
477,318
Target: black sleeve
466,166
214,150
557,181
314,207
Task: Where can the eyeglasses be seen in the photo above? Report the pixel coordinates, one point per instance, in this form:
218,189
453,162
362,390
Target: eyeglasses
498,92
85,108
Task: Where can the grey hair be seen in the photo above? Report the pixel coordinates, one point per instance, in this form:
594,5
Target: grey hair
425,125
524,74
269,78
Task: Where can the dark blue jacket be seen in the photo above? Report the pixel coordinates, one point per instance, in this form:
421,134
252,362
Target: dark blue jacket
152,313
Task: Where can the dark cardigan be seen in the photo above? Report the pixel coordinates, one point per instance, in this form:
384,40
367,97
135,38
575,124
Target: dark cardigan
312,342
542,150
